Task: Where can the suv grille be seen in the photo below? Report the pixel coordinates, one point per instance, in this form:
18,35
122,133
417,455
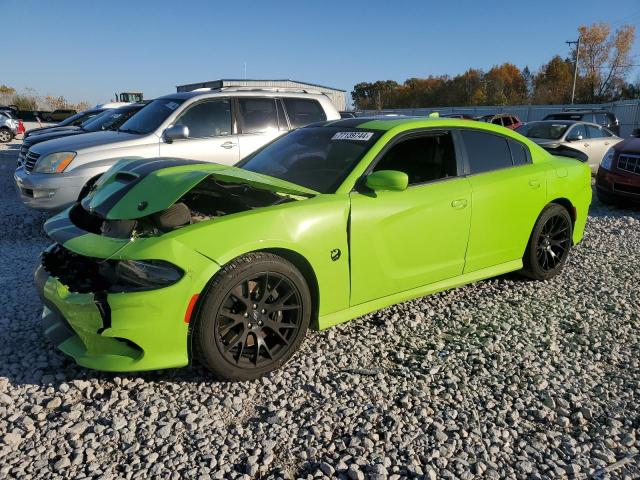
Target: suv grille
23,152
30,161
629,163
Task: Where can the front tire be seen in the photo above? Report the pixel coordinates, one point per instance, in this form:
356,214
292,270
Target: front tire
6,135
549,244
254,316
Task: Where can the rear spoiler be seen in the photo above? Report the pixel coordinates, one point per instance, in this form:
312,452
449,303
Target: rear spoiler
564,151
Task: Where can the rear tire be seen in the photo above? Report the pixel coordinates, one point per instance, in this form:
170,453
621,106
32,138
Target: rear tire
549,244
6,135
253,317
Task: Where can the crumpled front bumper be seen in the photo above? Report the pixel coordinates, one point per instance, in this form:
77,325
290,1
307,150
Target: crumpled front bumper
119,332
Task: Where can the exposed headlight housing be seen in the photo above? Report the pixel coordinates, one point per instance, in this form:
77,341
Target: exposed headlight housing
54,162
607,160
145,275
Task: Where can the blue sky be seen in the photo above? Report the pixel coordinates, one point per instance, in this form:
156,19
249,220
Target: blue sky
86,50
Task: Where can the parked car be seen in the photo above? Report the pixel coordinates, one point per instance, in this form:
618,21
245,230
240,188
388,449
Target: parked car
220,126
587,142
348,114
168,258
461,116
618,178
16,118
600,117
8,127
506,120
60,114
110,119
73,121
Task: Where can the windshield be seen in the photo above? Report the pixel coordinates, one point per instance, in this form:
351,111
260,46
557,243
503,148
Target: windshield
550,130
109,120
151,116
78,118
319,158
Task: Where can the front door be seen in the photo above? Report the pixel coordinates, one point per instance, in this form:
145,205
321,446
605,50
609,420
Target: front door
210,134
407,239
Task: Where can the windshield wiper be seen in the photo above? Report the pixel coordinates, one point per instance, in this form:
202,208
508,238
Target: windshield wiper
129,130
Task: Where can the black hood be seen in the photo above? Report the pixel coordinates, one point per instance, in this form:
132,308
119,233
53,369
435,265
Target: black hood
44,136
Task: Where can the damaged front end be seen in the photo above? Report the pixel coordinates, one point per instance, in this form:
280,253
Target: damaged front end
115,286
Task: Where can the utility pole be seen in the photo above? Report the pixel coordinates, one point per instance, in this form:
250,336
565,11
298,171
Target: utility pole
575,68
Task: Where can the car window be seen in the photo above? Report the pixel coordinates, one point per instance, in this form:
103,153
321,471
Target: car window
519,154
577,132
258,115
151,116
485,151
606,133
593,131
506,121
497,121
303,112
207,119
601,119
424,158
319,158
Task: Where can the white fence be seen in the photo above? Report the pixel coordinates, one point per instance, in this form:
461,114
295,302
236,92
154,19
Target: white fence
627,112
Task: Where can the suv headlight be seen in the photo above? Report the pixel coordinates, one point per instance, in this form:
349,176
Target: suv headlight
54,162
607,160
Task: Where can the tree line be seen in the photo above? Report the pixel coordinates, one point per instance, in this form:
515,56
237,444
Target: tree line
604,65
30,100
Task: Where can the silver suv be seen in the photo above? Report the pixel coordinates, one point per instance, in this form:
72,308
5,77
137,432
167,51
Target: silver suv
222,126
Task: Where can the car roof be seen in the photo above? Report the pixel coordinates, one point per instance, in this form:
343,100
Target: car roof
579,112
566,122
387,123
230,92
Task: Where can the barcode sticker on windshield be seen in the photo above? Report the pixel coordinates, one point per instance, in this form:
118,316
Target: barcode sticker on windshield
172,105
358,136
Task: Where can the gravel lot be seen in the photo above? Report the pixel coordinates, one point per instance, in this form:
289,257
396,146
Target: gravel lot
505,378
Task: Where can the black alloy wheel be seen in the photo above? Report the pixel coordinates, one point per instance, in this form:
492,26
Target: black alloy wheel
549,244
252,317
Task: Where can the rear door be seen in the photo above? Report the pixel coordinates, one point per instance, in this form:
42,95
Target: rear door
211,136
600,141
400,240
260,120
508,194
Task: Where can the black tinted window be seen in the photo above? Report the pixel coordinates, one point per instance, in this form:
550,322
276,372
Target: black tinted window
486,152
319,158
506,121
602,119
303,112
207,119
518,153
423,159
258,115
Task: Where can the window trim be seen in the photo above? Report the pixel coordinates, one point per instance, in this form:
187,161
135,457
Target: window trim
205,100
415,133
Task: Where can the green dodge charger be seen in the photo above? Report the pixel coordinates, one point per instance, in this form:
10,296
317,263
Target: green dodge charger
167,260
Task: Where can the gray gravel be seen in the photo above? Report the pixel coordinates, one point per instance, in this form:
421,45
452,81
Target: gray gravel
501,379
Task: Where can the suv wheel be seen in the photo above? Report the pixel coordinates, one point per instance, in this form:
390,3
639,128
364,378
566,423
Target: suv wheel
6,135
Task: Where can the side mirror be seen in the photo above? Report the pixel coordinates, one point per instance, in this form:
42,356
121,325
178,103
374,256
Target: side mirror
387,180
574,138
176,132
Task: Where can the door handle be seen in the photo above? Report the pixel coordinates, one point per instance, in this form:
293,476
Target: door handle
228,145
586,144
460,203
534,183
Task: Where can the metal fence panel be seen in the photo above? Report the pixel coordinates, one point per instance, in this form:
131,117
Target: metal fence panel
627,112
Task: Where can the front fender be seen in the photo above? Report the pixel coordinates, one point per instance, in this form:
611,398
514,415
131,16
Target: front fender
314,228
